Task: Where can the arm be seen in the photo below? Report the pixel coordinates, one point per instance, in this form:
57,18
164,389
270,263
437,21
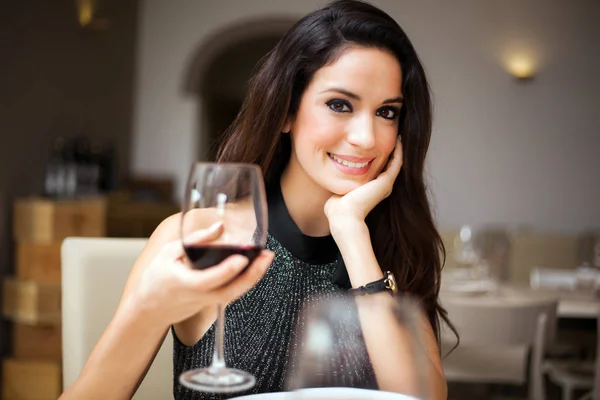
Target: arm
396,359
148,308
399,361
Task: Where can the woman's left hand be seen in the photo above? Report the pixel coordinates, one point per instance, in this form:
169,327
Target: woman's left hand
358,203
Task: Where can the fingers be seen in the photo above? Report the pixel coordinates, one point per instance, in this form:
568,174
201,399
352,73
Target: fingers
214,277
174,250
396,163
246,280
205,235
396,160
384,183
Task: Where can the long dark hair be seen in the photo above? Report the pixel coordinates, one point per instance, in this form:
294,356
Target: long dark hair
403,233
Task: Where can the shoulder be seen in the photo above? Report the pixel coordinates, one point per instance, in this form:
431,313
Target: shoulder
167,231
168,227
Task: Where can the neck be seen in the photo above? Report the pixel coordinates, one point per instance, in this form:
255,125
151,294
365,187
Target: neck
305,200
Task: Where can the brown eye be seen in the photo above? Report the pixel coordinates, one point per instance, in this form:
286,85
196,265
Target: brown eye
388,112
339,105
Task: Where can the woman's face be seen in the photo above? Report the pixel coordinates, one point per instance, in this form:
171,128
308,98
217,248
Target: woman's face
347,121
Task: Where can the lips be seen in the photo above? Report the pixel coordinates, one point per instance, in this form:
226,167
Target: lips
351,161
350,165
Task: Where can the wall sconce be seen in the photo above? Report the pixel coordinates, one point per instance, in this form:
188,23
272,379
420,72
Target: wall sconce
86,15
522,66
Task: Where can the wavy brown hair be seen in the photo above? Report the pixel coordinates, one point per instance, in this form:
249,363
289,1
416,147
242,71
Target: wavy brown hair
403,233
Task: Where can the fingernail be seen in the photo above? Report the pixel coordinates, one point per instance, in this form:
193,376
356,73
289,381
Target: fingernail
239,261
216,225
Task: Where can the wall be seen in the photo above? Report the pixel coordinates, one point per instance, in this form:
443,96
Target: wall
56,79
224,88
503,152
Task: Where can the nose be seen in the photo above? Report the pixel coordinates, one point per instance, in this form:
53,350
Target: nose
362,133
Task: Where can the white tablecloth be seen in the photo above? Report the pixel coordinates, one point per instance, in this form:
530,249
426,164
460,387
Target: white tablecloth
571,304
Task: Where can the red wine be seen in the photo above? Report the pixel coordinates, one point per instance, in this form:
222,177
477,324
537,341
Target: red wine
208,256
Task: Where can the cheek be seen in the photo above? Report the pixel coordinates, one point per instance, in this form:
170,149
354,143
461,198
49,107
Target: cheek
386,146
314,132
390,144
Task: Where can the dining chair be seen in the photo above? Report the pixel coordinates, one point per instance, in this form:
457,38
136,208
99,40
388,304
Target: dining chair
501,342
94,272
573,375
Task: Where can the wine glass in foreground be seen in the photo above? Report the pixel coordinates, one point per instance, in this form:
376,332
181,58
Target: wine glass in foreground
348,343
233,195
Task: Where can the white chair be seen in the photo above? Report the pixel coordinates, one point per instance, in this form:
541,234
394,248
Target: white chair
577,375
94,272
496,338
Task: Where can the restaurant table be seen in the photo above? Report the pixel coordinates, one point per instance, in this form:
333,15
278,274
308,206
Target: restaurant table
571,303
328,394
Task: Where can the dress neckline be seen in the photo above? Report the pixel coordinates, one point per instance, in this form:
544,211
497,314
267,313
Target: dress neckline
310,249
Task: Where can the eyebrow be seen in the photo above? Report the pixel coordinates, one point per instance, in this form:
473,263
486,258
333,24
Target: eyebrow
354,96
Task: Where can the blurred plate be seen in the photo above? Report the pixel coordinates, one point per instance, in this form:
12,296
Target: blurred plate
328,394
473,288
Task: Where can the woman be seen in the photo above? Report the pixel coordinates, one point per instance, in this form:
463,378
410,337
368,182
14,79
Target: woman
333,113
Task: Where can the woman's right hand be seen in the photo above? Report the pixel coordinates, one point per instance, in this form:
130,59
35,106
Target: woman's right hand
173,291
161,291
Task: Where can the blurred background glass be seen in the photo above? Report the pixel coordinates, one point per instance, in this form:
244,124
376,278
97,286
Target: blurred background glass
342,341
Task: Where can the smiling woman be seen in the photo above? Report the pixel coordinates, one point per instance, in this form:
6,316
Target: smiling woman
346,125
338,117
334,111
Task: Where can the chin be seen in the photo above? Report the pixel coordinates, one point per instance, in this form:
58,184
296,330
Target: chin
344,187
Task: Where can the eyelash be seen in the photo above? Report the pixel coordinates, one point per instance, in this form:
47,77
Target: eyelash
332,104
339,102
395,110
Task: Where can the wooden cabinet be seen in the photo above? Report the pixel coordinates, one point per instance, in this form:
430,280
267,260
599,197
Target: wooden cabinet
136,219
30,302
38,262
31,342
46,221
32,298
31,379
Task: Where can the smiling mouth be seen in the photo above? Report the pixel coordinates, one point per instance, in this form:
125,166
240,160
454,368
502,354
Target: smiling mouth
349,164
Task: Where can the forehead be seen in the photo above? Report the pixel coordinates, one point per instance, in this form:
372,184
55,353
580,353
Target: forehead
362,70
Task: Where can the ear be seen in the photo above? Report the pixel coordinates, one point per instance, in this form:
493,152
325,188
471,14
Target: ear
287,127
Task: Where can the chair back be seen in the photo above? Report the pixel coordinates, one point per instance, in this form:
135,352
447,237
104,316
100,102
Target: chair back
490,328
94,273
503,323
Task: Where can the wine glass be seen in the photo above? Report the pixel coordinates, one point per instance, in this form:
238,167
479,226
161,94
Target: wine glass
233,195
465,252
366,347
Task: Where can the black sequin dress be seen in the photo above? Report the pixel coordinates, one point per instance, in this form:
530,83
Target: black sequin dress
261,327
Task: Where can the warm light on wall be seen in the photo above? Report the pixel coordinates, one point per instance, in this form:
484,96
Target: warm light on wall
85,11
520,53
86,15
522,66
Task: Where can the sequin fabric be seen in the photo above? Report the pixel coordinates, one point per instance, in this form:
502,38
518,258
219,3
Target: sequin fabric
263,330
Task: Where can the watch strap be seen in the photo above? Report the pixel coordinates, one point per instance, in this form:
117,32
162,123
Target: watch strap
387,283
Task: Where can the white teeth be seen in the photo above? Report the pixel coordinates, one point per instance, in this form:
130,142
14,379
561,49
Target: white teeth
349,163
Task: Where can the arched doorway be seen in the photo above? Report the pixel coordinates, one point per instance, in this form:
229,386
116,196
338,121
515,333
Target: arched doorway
219,72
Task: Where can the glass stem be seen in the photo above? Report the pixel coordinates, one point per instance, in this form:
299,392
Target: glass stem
218,360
